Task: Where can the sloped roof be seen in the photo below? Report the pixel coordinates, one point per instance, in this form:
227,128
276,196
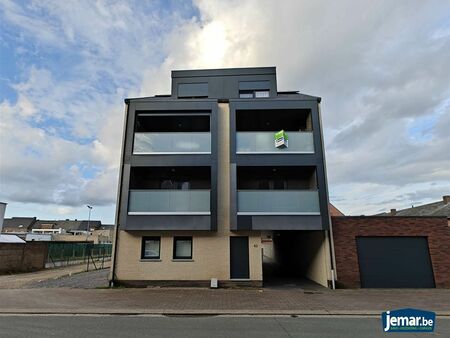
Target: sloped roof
431,209
18,224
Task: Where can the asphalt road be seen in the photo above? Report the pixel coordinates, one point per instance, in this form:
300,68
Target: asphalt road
221,326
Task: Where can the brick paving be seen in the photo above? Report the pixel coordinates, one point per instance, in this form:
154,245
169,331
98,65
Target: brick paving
221,301
77,294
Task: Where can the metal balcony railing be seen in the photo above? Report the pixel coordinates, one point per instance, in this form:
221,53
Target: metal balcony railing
278,202
249,142
168,202
172,143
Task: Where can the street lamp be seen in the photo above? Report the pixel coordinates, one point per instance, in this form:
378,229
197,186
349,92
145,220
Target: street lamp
89,222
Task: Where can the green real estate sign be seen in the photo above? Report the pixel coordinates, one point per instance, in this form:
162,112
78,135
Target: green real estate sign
281,139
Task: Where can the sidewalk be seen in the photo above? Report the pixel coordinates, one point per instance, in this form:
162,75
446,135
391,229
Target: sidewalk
189,301
21,280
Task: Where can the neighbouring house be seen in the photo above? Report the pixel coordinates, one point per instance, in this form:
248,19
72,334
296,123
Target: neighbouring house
439,208
32,229
18,225
222,169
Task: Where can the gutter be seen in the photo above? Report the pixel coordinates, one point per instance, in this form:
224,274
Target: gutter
119,195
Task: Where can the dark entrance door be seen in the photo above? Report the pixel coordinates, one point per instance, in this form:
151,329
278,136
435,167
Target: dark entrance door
394,262
239,267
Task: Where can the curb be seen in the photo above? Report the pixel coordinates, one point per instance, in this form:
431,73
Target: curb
162,312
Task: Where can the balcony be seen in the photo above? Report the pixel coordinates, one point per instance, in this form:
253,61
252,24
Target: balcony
172,143
169,202
256,129
278,202
172,132
262,142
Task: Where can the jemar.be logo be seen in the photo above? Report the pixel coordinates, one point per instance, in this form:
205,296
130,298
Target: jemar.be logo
408,320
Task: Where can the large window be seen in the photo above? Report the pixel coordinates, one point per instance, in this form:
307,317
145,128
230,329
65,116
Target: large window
182,248
151,247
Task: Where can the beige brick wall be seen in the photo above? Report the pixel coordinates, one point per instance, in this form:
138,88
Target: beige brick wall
211,250
211,257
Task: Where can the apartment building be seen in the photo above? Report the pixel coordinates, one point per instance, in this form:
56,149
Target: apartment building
222,179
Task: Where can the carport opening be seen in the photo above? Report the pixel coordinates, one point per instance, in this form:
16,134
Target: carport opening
295,259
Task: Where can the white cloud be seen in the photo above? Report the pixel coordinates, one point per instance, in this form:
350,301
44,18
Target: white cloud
379,66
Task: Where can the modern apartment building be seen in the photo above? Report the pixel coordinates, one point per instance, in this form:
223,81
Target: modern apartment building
225,178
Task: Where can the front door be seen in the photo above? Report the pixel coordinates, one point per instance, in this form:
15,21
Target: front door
239,266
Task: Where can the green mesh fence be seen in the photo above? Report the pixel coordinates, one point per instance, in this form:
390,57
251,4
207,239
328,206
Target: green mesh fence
77,251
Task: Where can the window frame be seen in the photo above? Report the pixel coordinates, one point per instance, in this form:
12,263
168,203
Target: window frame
150,238
182,238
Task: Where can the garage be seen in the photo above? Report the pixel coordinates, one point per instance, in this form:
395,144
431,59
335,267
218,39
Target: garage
394,262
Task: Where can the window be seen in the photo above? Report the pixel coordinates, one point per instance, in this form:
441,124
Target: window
182,248
250,94
261,93
246,94
150,247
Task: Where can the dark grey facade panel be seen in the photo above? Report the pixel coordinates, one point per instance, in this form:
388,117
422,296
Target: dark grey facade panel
224,72
193,89
306,222
233,199
167,222
124,194
226,87
254,85
187,104
171,160
276,160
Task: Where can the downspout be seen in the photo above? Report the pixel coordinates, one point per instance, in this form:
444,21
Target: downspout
119,195
333,271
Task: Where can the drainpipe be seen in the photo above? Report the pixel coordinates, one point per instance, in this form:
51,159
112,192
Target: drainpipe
119,194
333,272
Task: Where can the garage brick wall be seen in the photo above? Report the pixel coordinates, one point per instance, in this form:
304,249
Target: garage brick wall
347,228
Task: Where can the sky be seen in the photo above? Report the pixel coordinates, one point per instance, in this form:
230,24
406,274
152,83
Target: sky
382,69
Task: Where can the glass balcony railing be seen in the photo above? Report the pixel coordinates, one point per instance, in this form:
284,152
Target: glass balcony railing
278,202
176,143
166,202
248,142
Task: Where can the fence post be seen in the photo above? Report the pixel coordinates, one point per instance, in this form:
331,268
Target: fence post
87,257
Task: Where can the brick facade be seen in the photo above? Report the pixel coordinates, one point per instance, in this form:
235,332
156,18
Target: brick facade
347,228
